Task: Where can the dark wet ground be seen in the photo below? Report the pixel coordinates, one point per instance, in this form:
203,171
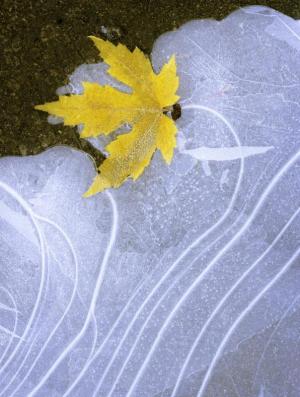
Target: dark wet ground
45,40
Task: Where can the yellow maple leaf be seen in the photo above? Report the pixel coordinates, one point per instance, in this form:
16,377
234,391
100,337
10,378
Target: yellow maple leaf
103,109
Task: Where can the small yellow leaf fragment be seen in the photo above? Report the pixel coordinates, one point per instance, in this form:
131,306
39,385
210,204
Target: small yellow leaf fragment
103,109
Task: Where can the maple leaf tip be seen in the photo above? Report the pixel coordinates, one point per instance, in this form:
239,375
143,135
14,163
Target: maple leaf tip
93,38
90,192
42,108
97,41
98,185
87,194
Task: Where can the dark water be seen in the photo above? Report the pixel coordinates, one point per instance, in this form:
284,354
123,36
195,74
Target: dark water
43,41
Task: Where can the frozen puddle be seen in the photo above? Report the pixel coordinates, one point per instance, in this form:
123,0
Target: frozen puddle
185,283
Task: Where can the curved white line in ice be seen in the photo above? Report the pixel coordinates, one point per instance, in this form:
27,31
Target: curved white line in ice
10,332
288,28
15,309
83,304
240,318
225,298
7,308
27,208
191,246
252,216
73,294
95,295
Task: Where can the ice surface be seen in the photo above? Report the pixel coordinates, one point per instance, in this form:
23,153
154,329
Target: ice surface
186,282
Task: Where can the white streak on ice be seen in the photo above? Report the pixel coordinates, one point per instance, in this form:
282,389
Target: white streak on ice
225,153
